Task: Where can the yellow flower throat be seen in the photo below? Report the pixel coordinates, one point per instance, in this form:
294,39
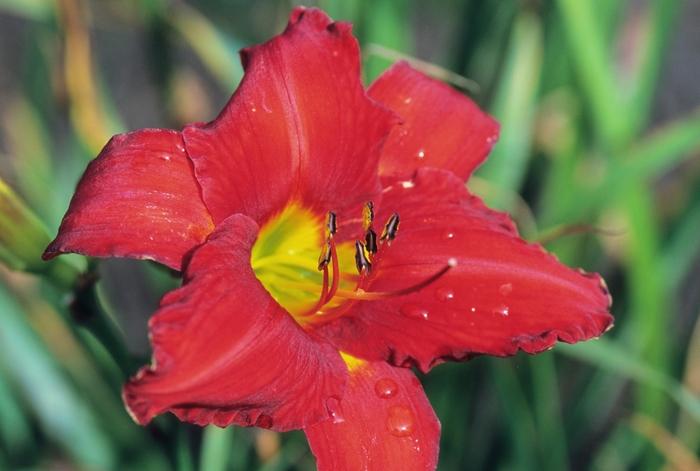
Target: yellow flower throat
285,260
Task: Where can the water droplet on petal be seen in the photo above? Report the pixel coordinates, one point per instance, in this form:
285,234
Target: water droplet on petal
421,154
334,412
472,310
407,100
264,421
506,289
400,421
448,235
444,293
414,312
502,310
386,388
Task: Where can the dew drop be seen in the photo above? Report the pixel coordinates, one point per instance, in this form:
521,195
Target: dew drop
400,421
333,408
502,310
448,235
407,100
421,154
472,310
444,294
414,312
264,421
506,289
386,388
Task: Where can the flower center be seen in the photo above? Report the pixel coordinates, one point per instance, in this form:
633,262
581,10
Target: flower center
285,258
314,277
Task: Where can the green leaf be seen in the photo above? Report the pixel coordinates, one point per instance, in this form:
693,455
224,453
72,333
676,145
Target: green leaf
607,355
594,68
216,447
514,107
59,410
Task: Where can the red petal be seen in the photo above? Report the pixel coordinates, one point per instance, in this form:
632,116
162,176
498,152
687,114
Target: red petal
138,199
383,422
441,127
503,295
226,353
300,126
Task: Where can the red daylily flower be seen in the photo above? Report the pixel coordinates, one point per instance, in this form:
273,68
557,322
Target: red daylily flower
266,332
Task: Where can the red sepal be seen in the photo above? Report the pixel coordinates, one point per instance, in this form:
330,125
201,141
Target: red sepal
224,352
441,127
504,294
383,422
137,199
299,127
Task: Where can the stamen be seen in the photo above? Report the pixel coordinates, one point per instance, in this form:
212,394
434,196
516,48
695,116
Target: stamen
322,298
331,224
361,261
336,272
371,242
390,229
362,295
325,257
367,215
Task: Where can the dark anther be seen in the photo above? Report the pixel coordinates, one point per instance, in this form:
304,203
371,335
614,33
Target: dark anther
331,224
367,215
371,241
390,228
361,261
325,257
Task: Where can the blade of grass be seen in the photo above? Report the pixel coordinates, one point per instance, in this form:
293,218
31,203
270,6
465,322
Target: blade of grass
677,454
33,170
216,51
15,433
648,298
609,356
384,23
183,450
547,409
86,108
681,250
216,448
649,157
661,19
345,10
23,239
517,416
61,413
37,10
593,66
514,107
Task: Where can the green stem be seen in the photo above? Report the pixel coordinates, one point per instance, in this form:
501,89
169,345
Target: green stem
87,312
216,447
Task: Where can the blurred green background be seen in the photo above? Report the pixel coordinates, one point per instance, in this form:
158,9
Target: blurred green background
599,159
